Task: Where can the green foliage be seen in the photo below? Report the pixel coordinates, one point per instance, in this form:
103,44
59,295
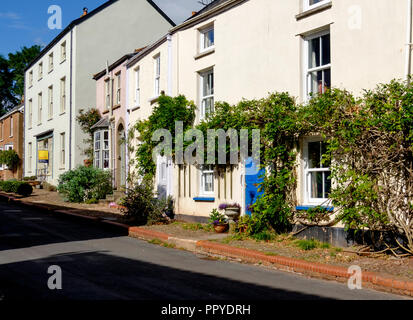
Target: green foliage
10,158
142,206
32,178
263,236
14,186
86,120
84,183
165,113
49,187
217,218
311,244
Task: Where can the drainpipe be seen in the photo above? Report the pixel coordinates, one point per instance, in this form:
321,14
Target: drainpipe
169,39
127,127
408,41
71,101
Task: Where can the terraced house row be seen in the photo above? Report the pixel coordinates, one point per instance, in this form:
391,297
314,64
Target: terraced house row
231,49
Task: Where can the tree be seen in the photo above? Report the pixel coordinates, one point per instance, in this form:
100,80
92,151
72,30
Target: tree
12,76
6,82
18,62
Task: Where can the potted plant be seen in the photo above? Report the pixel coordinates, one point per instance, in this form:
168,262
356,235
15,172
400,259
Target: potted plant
232,210
219,221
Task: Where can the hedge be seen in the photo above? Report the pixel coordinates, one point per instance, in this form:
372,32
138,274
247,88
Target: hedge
14,186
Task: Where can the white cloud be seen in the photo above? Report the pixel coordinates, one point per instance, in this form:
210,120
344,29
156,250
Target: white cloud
178,10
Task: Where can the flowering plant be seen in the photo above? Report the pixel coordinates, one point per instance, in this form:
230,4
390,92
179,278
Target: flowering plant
217,218
224,206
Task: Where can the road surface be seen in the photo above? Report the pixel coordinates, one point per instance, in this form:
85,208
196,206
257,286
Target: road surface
102,263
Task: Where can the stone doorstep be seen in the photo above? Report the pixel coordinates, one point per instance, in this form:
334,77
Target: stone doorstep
290,264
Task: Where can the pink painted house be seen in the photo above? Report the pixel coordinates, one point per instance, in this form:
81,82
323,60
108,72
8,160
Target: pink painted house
110,132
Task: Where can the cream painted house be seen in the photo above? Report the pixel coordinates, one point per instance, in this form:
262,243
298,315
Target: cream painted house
58,83
236,49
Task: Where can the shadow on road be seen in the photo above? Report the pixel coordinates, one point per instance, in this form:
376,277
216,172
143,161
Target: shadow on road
101,276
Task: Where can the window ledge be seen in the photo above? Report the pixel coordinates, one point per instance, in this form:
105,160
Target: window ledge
312,11
116,107
62,61
50,71
204,53
50,119
134,108
61,114
204,199
153,100
306,208
105,111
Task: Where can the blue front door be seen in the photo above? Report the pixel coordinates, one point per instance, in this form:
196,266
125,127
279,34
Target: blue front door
253,178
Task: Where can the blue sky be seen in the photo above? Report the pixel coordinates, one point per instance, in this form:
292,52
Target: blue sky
24,22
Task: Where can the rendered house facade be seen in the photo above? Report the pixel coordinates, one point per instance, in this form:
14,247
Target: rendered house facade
58,82
300,47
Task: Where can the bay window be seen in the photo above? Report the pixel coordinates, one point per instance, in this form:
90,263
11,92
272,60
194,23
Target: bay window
101,149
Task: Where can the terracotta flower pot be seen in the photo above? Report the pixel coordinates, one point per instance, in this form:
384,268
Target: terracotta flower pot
221,228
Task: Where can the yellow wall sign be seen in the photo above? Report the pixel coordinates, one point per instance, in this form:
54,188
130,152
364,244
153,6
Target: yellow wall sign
43,156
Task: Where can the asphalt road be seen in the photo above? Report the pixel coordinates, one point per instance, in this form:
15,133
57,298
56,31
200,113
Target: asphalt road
102,263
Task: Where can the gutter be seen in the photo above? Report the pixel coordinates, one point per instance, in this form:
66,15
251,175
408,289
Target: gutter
408,41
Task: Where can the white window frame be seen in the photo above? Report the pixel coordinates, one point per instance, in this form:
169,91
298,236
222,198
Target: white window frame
63,51
204,171
30,78
50,102
51,63
30,120
118,79
63,150
204,76
157,75
30,152
307,69
40,70
7,147
107,94
307,174
39,107
63,95
99,159
202,34
11,127
2,131
137,87
308,6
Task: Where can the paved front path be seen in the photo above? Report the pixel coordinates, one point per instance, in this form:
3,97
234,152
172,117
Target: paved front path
105,264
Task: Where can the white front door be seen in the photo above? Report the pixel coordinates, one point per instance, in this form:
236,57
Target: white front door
164,177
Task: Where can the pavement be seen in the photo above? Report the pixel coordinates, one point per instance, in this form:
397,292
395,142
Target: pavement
101,262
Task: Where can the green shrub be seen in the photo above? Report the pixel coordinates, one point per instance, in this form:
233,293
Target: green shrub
84,183
32,178
14,186
263,236
307,244
142,206
24,189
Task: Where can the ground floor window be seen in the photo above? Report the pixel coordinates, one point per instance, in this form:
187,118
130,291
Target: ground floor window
317,174
45,158
207,180
101,149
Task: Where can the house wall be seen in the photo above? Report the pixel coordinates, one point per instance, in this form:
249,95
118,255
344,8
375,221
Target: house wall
15,139
118,29
259,48
60,121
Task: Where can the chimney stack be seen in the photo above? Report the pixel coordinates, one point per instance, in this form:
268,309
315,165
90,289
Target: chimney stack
194,13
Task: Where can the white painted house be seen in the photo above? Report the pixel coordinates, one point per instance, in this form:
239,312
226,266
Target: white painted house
58,83
236,49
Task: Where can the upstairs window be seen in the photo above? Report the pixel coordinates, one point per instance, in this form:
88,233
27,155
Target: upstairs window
207,38
118,80
30,78
40,108
50,103
40,70
318,65
157,66
11,126
137,88
107,94
63,51
207,93
51,64
63,95
30,113
310,4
